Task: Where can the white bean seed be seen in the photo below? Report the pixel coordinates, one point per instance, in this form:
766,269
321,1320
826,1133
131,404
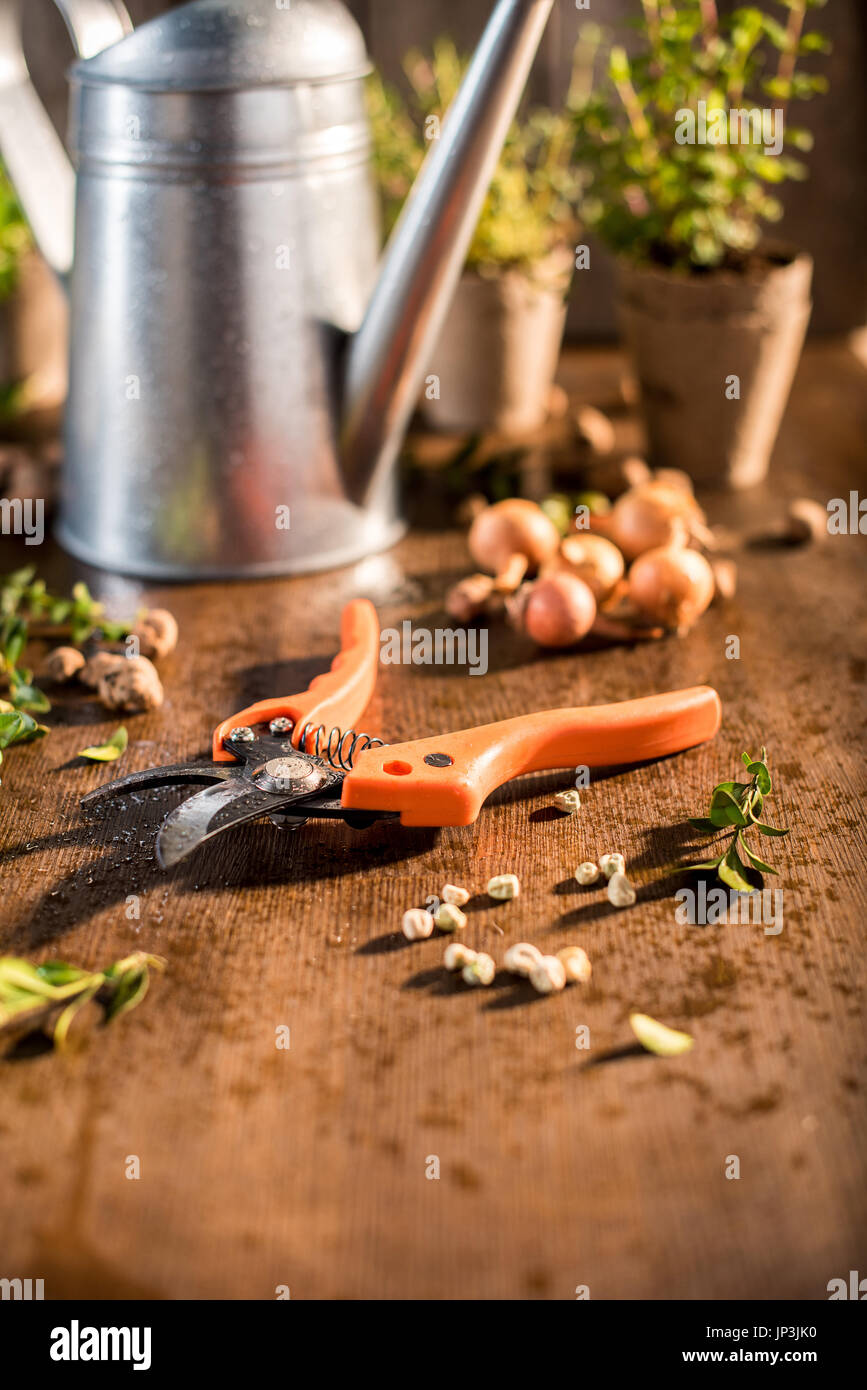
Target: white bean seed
588,872
453,894
450,918
620,891
520,958
576,964
417,924
549,975
480,971
503,886
612,864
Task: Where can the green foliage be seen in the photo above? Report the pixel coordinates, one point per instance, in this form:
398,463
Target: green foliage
691,206
738,805
530,208
49,996
15,238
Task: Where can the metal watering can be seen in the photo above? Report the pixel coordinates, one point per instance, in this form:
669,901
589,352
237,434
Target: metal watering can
241,367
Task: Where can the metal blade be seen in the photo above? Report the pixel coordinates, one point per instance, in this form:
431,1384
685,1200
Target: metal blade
175,774
209,812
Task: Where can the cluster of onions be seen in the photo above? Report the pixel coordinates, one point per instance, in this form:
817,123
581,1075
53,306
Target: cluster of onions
559,590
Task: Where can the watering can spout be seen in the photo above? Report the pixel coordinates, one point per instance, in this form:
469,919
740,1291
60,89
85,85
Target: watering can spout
424,258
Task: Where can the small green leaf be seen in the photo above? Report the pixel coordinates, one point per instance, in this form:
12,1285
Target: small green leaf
132,986
708,866
724,808
756,862
656,1037
769,829
732,872
107,752
25,696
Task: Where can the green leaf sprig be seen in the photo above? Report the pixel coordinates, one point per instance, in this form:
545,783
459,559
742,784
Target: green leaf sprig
16,726
49,996
25,602
738,805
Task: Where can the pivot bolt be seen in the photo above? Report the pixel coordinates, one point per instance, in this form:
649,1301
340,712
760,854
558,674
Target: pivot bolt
243,734
280,725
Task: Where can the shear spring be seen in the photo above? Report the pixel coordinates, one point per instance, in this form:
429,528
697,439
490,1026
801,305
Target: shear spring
337,746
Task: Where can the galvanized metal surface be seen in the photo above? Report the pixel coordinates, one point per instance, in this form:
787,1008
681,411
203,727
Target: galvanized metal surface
226,249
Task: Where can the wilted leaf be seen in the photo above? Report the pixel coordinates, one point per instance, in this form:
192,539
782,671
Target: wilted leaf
656,1037
107,752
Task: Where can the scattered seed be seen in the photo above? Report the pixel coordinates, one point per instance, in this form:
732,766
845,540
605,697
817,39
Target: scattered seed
453,894
548,975
620,891
569,802
576,963
457,955
588,872
503,886
521,958
612,864
479,971
450,918
417,924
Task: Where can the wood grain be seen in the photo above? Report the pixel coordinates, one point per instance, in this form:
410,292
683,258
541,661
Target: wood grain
306,1167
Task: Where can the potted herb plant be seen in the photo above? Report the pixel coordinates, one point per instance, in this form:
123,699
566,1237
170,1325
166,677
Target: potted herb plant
496,358
32,325
683,146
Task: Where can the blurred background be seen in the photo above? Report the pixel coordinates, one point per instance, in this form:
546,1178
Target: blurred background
825,215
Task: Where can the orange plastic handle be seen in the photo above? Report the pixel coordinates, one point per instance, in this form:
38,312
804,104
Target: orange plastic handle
399,777
337,697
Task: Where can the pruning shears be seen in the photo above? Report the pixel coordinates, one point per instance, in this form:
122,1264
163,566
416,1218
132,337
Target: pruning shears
300,757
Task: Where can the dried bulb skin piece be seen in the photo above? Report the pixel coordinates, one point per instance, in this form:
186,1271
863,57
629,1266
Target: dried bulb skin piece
479,971
133,685
61,665
548,975
576,963
807,520
521,958
450,918
457,955
595,429
417,924
157,633
620,891
469,598
93,670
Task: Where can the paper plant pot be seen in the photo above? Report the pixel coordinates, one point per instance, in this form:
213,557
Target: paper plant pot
33,326
498,350
688,333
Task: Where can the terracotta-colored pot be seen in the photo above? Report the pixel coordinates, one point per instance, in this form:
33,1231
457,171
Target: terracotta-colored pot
498,350
33,328
689,334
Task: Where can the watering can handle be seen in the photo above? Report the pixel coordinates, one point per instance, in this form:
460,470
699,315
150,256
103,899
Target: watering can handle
31,148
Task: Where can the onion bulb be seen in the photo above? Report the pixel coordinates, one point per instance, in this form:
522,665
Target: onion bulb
556,611
591,558
651,516
509,529
671,585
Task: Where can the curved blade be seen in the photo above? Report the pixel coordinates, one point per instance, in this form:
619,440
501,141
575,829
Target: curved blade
175,774
209,812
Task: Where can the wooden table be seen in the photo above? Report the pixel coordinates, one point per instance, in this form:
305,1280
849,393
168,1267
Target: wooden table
307,1167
